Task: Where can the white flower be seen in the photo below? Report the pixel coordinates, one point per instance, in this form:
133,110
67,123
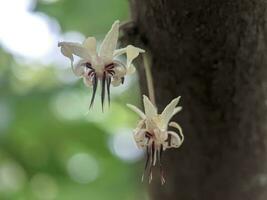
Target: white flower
101,65
152,132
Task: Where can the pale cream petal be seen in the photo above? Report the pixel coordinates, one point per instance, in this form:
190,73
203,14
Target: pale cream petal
66,51
119,70
109,43
140,138
140,124
150,109
160,135
116,81
167,113
176,110
178,127
132,52
136,110
176,141
79,68
90,45
139,134
119,52
151,125
69,49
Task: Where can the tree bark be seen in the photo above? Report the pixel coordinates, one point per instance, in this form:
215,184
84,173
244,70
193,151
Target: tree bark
213,54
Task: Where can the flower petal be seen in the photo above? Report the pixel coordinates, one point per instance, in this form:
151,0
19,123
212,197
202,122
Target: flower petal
175,140
120,69
79,68
168,112
119,52
150,109
116,81
136,110
90,45
109,43
69,49
178,127
160,135
176,110
140,138
132,52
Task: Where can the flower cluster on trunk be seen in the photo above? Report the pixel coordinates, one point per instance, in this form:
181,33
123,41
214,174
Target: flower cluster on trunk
152,132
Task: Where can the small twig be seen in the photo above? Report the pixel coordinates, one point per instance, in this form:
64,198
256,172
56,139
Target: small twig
149,78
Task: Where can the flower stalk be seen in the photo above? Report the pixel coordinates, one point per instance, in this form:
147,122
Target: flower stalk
149,79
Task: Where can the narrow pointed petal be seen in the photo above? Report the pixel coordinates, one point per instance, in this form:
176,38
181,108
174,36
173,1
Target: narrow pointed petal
147,157
95,82
109,43
167,113
69,49
90,45
103,91
147,161
108,89
136,110
150,109
176,110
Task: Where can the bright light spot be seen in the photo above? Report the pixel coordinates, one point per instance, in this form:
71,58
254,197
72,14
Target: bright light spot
49,1
44,186
122,145
12,177
70,105
16,6
83,168
31,37
5,116
26,34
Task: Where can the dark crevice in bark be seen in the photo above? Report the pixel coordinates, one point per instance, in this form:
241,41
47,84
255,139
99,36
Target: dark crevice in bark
213,54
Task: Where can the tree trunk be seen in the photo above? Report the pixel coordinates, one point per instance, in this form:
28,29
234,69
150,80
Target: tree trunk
213,54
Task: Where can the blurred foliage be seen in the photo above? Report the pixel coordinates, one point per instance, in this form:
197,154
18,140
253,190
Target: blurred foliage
90,17
43,121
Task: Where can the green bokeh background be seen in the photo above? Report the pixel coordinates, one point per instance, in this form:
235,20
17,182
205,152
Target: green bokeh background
43,120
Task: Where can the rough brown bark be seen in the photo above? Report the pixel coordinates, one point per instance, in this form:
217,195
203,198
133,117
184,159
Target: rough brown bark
213,54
